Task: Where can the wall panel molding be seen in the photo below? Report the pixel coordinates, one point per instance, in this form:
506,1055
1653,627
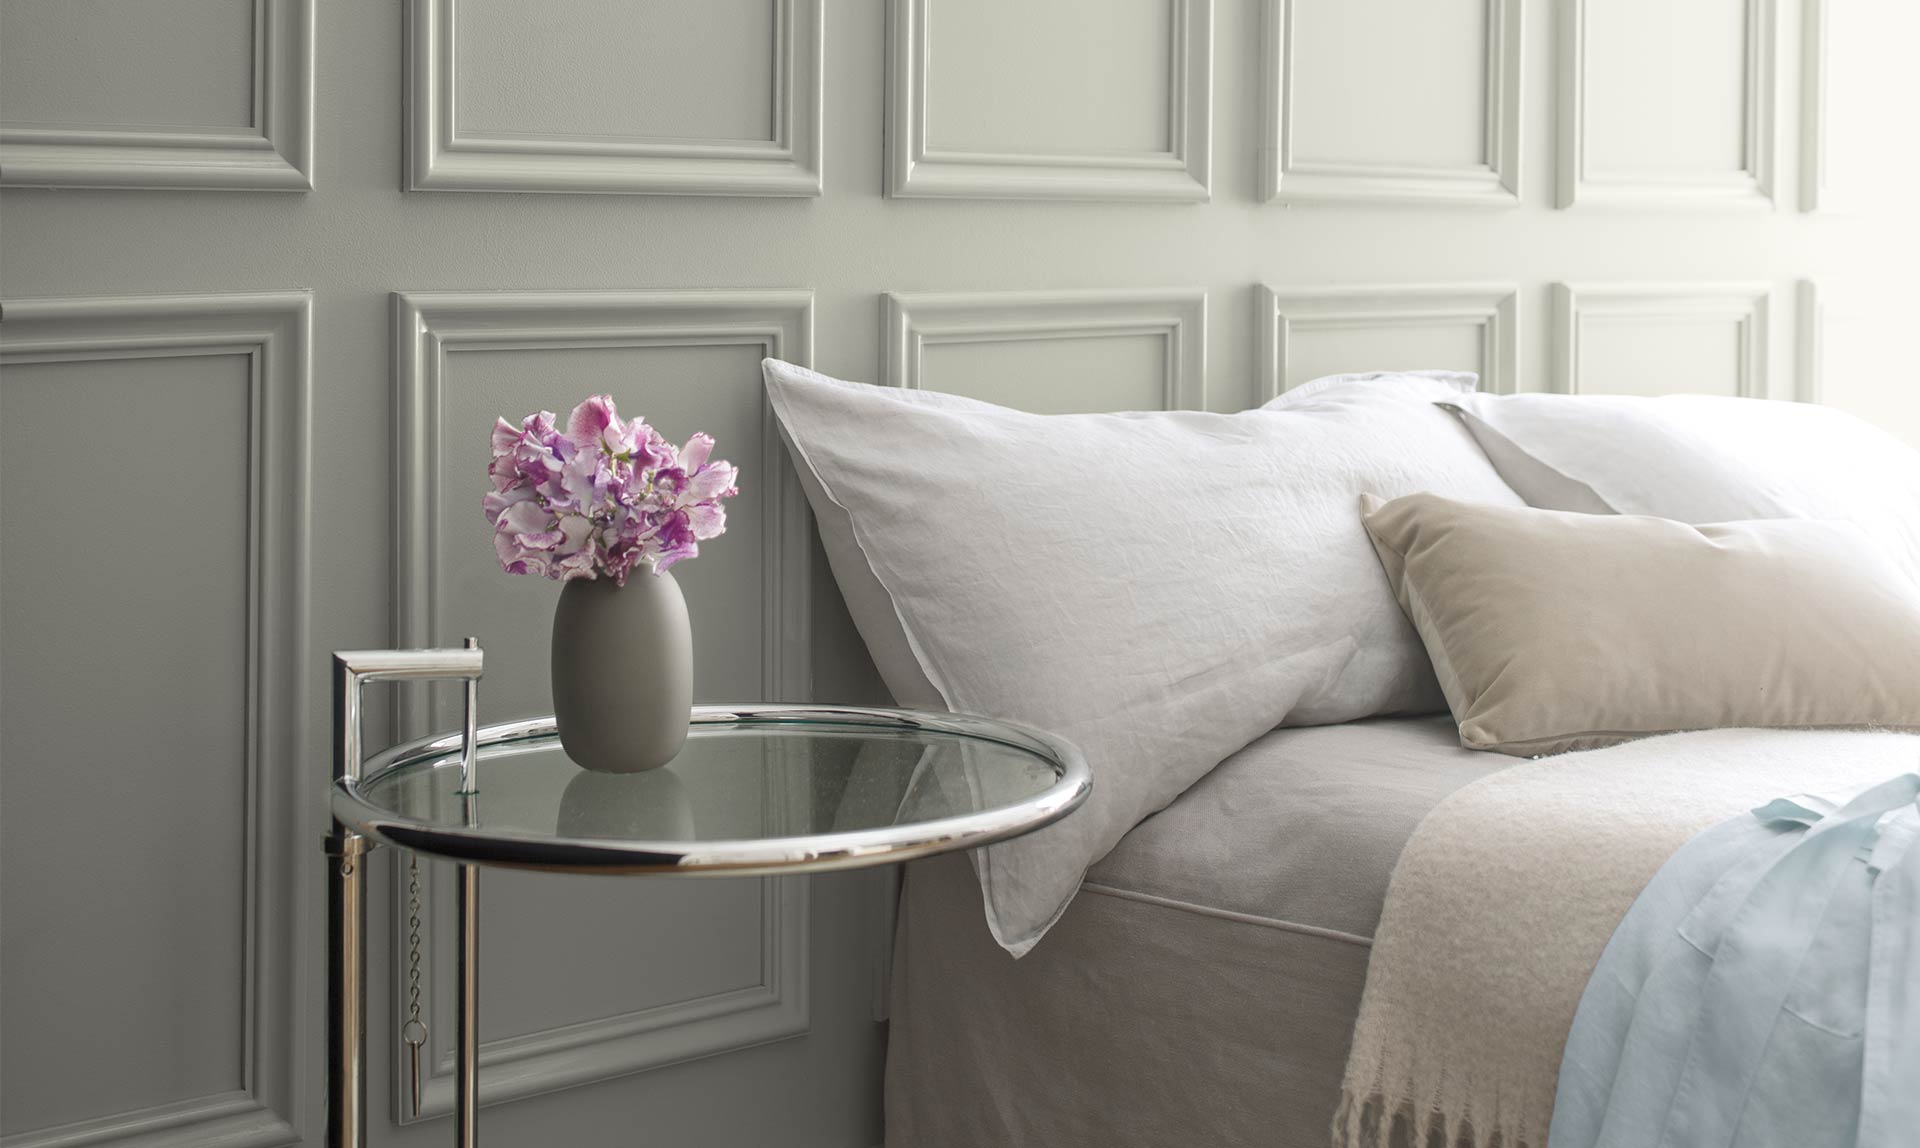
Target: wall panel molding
274,154
442,158
1809,351
1182,173
1814,53
1848,336
272,331
915,321
1282,315
1288,176
1746,305
427,327
1577,183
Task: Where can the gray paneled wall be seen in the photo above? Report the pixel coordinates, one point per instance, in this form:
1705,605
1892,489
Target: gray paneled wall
251,348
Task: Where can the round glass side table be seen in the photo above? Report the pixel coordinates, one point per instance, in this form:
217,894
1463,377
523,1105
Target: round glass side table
757,791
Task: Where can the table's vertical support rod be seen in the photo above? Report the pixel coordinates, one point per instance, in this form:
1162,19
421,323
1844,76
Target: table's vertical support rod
467,1025
346,935
469,745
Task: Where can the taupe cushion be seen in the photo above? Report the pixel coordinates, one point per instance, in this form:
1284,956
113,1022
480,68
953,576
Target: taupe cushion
1553,631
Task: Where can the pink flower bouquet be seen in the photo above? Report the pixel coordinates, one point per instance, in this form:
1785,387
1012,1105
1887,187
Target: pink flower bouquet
601,497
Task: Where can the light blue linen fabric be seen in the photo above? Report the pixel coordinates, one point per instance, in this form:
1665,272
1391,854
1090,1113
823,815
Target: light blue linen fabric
1763,991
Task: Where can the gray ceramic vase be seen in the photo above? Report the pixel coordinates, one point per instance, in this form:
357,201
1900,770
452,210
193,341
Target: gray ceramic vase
622,672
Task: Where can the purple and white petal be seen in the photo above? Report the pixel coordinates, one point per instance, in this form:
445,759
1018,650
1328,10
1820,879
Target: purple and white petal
715,480
708,520
693,456
496,502
576,534
528,517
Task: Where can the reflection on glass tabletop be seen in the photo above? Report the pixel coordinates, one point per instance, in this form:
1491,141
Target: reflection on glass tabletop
761,789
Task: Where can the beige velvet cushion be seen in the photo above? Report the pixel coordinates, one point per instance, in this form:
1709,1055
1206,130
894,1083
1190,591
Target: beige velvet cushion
1554,631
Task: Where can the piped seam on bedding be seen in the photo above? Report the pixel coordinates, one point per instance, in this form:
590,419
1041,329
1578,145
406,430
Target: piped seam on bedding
1228,914
1577,741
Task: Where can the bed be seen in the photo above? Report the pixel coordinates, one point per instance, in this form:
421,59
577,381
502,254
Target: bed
1290,913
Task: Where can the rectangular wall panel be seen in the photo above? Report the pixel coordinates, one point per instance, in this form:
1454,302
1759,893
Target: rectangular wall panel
1856,63
671,98
1430,113
1705,338
1666,104
602,989
207,94
1302,335
1009,100
1054,351
1854,353
152,657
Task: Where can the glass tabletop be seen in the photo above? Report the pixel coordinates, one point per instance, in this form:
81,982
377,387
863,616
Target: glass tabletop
755,790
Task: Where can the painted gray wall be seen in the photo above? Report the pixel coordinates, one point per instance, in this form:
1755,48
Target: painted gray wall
258,434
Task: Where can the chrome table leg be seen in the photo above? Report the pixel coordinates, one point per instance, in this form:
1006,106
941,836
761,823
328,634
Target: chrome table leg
467,1026
346,991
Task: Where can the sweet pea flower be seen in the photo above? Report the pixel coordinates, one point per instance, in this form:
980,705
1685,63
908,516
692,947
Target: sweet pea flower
603,498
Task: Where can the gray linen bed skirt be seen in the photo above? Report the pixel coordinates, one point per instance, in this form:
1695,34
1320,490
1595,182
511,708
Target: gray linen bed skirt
1201,989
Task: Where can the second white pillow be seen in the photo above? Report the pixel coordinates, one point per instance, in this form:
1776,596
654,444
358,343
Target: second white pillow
1703,458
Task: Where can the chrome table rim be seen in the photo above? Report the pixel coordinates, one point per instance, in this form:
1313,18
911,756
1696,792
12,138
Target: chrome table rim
812,853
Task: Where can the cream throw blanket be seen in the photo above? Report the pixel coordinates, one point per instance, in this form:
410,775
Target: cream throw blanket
1508,891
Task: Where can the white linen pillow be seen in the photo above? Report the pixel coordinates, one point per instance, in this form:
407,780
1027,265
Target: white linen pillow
1447,384
1703,458
871,607
867,600
1160,588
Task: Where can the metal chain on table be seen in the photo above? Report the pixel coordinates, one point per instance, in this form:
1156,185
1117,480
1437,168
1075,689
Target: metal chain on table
414,1031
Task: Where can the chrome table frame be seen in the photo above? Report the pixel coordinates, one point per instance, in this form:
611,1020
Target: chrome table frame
358,826
347,890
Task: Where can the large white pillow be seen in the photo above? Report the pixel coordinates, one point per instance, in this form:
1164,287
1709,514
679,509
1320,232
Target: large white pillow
1160,588
1703,458
1447,384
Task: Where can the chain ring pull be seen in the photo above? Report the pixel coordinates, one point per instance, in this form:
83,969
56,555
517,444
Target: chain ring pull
413,1033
